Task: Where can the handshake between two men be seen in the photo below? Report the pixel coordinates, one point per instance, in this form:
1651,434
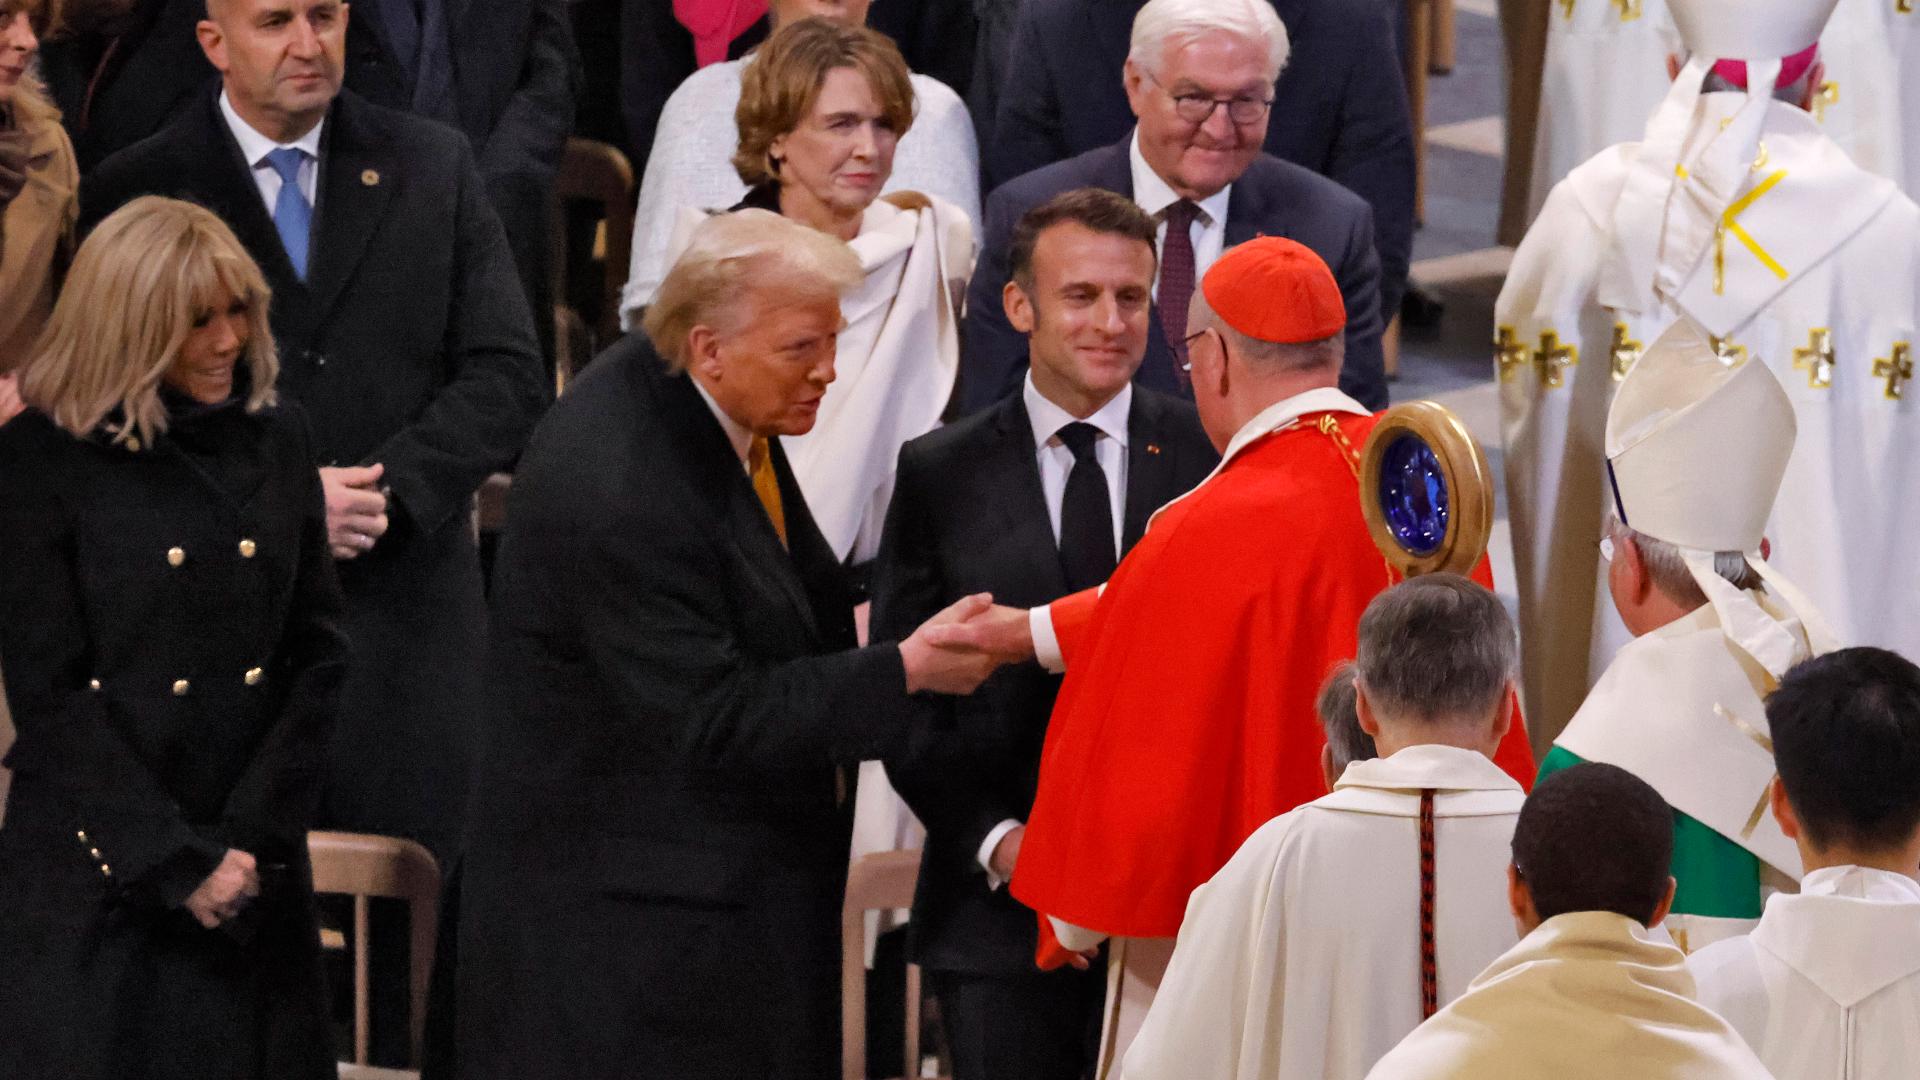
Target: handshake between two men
954,651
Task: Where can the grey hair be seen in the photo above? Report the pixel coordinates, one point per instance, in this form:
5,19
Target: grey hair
1270,356
1169,22
1667,568
732,255
1436,649
1340,719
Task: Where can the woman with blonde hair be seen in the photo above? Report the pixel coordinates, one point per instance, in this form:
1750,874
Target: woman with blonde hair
39,190
169,615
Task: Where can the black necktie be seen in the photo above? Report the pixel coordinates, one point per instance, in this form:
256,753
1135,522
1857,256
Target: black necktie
1086,515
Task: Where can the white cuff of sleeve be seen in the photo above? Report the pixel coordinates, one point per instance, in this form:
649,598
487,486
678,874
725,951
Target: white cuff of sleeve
1046,646
1077,938
994,836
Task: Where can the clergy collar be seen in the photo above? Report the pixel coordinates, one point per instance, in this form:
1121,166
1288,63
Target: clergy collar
737,433
1850,931
255,147
1445,768
1277,417
1861,883
1154,195
1048,418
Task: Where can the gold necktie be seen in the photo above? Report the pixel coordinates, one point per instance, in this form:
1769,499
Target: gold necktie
767,485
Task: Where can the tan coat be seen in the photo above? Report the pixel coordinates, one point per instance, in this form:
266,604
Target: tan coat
36,231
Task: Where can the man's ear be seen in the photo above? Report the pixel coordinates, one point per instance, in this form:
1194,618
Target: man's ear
1019,307
213,43
1363,709
1520,901
1673,67
1503,719
703,352
1783,810
1134,79
1665,906
1639,582
1326,766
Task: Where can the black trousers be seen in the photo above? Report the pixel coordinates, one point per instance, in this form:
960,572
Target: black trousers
1035,1025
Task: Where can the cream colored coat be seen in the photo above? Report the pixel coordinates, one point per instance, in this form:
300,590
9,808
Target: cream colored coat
1828,986
1586,996
1301,957
36,232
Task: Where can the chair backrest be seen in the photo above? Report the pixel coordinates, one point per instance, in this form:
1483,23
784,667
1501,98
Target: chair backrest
368,867
883,881
598,174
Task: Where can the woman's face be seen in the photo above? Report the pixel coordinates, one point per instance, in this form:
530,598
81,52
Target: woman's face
18,43
841,154
204,369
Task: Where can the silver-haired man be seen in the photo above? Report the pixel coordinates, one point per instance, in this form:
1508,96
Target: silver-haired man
660,846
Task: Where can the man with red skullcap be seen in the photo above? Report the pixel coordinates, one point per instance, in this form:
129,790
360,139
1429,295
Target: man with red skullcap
1186,720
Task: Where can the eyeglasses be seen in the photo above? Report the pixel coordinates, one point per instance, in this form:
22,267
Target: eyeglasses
1197,109
1186,346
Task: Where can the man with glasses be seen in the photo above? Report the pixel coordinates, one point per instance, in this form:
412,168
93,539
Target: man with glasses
1200,80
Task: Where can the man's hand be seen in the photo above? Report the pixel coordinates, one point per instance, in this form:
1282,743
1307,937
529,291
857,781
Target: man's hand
10,403
1000,632
356,509
947,670
13,165
1006,853
228,889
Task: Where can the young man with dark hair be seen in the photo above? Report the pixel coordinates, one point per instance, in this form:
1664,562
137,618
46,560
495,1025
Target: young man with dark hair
1034,498
1588,992
1338,927
1829,983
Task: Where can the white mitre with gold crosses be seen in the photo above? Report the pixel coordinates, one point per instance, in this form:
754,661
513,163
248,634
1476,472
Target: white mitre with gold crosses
1696,448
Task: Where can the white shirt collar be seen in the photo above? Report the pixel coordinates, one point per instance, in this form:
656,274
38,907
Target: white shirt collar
1152,194
737,434
1862,883
255,147
1429,765
1047,418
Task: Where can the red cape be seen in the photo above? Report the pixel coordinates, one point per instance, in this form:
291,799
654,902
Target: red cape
1186,720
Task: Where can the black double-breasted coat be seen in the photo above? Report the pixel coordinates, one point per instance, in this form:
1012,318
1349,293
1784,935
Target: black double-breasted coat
408,344
170,622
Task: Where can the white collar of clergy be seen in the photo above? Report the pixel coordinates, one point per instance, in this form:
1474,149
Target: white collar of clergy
1447,770
1851,931
1597,937
1276,417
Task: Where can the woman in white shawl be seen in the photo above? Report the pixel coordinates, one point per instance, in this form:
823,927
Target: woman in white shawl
822,108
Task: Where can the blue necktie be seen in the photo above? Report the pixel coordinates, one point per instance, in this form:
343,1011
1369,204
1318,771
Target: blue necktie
292,216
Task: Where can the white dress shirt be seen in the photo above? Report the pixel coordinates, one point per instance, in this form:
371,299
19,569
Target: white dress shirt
255,147
1056,461
737,434
1209,228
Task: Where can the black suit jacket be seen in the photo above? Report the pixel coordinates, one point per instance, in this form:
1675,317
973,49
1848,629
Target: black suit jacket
672,691
1339,108
409,344
968,516
113,92
1272,198
516,74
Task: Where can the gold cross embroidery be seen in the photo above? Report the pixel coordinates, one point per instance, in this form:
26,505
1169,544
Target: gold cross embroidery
1730,354
1553,359
1730,223
1816,359
1896,369
1904,7
1509,355
1828,95
1629,9
1625,352
1566,8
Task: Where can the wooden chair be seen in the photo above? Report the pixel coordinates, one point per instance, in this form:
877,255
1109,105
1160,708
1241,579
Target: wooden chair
369,867
598,175
883,881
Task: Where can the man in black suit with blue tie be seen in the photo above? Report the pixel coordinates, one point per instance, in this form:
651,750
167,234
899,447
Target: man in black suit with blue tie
1030,500
1339,107
1202,91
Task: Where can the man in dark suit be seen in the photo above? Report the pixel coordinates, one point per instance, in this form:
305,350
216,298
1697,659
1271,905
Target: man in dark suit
659,853
403,332
119,69
1194,161
1061,479
1339,107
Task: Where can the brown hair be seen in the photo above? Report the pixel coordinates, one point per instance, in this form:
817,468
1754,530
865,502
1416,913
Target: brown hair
784,77
148,272
1096,209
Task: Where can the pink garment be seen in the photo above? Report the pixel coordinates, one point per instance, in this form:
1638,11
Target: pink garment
1735,71
715,23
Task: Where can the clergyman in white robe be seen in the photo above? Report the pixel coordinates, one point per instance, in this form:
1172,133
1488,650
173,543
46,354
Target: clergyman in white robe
692,167
1828,986
1301,957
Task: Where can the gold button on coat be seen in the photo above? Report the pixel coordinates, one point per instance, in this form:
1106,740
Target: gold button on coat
180,687
105,870
93,684
248,548
254,675
176,556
